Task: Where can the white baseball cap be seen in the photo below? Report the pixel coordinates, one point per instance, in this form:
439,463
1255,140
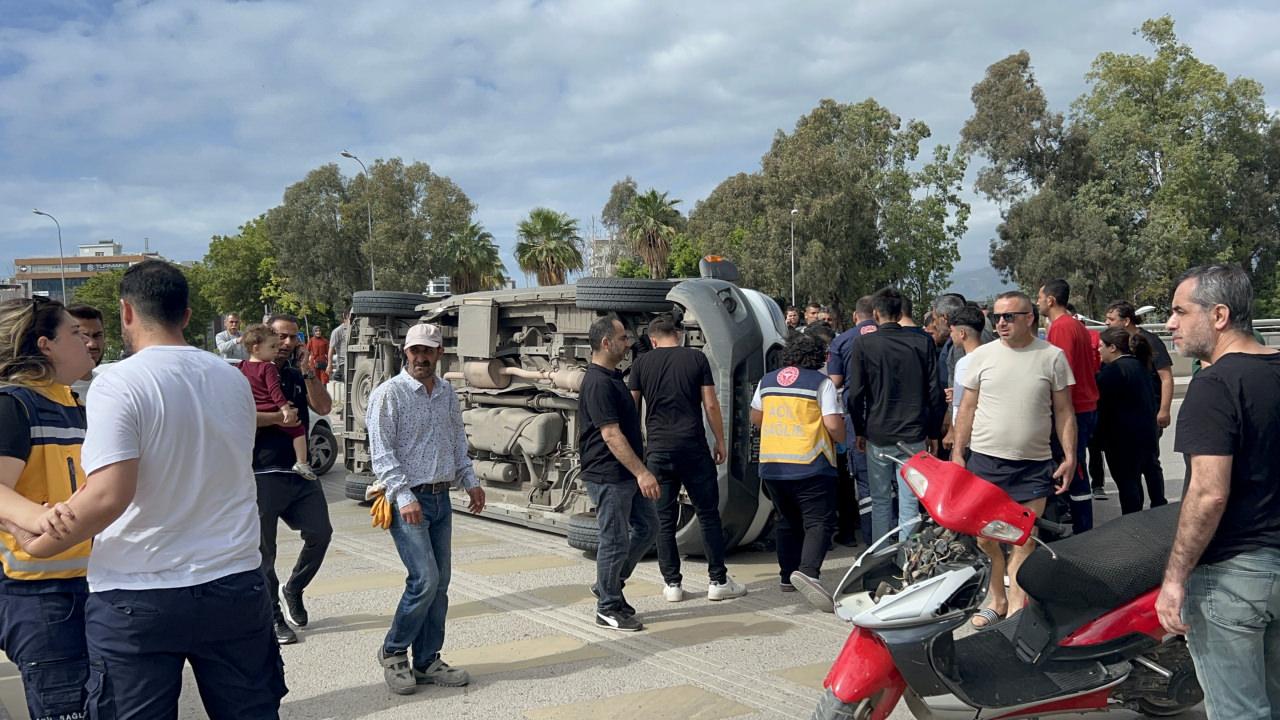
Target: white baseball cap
423,334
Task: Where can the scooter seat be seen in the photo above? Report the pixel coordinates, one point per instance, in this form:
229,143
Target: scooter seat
1103,568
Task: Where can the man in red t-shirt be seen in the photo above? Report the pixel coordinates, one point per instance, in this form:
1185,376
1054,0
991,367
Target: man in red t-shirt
1070,336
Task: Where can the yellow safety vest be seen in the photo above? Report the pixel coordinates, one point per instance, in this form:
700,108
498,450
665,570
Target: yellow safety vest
52,473
793,441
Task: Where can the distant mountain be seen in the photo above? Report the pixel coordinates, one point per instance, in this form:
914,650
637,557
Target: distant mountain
978,284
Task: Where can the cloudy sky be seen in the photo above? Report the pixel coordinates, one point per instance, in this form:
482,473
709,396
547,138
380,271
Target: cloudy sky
176,120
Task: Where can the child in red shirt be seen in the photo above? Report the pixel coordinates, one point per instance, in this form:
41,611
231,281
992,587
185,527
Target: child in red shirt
260,368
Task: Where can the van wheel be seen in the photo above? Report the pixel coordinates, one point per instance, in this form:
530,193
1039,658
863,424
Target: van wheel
623,294
394,304
584,535
355,487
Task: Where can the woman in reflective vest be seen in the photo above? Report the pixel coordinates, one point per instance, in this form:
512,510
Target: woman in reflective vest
800,424
41,431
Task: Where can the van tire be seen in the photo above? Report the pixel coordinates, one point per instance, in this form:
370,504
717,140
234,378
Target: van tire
583,534
355,487
394,304
623,294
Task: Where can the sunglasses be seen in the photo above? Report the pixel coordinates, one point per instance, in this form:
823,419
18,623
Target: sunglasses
1009,316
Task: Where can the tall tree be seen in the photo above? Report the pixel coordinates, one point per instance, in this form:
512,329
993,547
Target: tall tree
867,213
549,246
239,268
621,195
321,250
476,262
1164,164
320,231
651,221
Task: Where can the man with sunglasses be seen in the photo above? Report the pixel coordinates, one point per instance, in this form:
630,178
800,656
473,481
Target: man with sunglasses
1016,392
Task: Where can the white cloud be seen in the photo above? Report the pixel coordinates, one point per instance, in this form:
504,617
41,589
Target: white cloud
183,119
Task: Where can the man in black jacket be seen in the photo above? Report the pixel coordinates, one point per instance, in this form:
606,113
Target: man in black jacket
893,396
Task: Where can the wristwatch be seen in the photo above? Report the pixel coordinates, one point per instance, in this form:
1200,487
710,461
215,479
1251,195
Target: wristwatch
308,376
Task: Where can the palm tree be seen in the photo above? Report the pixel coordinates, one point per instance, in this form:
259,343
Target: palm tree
475,261
650,223
549,246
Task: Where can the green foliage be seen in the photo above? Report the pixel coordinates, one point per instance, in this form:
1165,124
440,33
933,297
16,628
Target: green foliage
684,257
239,268
630,268
321,239
475,259
549,246
1165,164
103,292
868,214
621,195
200,330
651,222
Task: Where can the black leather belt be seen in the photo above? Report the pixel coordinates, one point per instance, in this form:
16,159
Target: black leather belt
433,488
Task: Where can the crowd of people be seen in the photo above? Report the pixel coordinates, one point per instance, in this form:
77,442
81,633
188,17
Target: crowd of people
142,578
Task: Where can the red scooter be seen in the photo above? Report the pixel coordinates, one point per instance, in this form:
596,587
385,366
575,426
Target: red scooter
1088,640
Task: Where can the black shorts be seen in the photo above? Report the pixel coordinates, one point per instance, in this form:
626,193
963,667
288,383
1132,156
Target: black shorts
1024,480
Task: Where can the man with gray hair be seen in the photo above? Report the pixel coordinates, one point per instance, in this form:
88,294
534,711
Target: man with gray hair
1222,583
228,341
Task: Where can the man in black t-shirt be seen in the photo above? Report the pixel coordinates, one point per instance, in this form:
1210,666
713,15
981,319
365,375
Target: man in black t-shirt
285,495
676,386
1121,314
619,484
1222,584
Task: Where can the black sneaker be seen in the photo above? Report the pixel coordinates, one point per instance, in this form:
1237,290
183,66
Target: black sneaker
617,620
626,606
292,607
285,634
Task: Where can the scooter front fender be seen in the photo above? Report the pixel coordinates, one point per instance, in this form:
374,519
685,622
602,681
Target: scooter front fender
865,669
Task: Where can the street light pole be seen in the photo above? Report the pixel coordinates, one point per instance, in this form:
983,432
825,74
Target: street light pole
368,196
793,256
62,259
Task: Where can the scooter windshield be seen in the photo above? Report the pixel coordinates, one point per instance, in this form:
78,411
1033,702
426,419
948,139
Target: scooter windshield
958,500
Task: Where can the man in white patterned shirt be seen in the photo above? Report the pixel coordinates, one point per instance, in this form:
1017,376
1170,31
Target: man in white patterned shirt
419,451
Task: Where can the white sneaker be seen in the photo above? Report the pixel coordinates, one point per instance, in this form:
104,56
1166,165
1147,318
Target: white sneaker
726,590
673,593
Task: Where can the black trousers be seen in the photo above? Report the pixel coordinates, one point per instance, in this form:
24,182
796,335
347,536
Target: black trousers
139,640
1154,475
805,522
695,470
1097,477
301,505
1126,465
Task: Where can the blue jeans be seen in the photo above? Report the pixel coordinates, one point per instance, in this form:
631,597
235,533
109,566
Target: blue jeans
139,640
881,475
858,471
1232,610
424,549
628,523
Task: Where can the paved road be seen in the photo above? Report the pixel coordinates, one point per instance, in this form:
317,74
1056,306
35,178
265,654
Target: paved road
521,622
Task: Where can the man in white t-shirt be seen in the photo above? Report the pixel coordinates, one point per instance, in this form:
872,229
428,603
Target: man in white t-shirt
175,572
1015,392
967,325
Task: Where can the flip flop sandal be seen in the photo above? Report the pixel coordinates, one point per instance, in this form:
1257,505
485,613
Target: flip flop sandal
990,617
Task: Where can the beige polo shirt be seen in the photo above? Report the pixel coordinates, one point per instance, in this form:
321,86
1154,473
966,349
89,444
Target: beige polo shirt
1015,398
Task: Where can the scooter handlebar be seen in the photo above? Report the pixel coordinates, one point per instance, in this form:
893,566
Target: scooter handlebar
1050,526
